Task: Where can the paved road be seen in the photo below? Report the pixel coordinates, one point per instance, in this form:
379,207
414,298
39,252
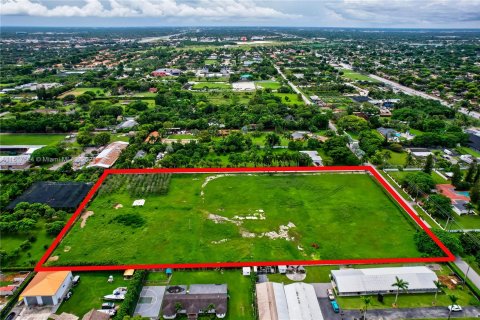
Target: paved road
472,274
412,313
294,87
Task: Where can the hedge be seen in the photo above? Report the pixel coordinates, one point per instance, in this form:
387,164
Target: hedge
133,293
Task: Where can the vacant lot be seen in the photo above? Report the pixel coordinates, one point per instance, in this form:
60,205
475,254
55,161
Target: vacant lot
7,139
239,217
211,85
352,75
274,85
78,91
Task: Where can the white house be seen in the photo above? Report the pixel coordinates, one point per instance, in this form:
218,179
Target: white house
246,271
47,288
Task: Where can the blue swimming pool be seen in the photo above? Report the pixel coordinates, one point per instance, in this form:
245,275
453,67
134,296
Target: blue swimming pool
463,193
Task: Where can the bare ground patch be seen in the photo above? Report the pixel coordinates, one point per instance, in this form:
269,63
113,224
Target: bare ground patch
84,218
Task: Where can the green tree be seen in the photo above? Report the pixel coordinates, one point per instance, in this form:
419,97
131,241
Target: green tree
101,139
453,300
45,155
427,168
470,176
439,206
457,175
84,138
272,139
400,284
367,301
475,193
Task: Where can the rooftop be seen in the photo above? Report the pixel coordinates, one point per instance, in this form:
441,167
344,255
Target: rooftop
45,283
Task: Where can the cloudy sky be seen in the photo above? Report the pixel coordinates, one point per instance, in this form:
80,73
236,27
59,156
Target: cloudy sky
315,13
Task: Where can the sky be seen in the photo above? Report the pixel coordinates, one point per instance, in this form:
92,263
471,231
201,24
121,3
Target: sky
300,13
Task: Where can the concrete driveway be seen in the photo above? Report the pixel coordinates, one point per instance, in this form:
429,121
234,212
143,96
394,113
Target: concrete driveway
34,313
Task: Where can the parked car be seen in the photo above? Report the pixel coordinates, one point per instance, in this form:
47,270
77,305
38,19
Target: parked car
454,307
108,305
76,280
68,295
10,316
330,294
335,306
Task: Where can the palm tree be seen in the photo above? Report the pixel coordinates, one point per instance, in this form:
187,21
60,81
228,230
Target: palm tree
453,299
439,286
367,301
401,285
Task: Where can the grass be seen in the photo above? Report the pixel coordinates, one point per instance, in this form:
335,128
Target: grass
30,139
466,150
181,136
211,85
209,62
315,274
274,85
239,291
289,98
416,300
226,98
88,294
352,75
399,175
260,140
79,91
397,158
333,214
31,256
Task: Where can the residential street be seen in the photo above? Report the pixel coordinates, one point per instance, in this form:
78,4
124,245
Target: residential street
396,314
472,274
294,87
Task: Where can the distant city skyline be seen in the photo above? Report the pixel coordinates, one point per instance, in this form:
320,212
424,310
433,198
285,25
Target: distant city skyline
302,13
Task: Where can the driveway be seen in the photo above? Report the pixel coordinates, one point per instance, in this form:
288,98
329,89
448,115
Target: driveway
34,313
472,274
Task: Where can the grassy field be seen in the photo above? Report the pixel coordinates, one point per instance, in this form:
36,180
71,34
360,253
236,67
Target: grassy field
352,75
227,97
30,139
211,85
29,257
260,140
397,158
208,62
289,98
274,85
239,303
88,294
466,150
78,91
399,175
333,214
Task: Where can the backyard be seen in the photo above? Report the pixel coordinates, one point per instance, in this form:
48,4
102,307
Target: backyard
203,219
88,294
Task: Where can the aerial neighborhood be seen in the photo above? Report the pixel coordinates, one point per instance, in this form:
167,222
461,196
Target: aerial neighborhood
242,173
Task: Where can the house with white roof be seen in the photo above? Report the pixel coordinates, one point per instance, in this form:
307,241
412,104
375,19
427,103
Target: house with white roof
352,282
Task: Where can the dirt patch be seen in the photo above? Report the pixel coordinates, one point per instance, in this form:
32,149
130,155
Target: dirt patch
118,206
219,219
84,218
67,248
450,281
53,258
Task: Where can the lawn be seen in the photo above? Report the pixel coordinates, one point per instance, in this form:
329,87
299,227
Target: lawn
260,140
210,220
315,274
239,289
30,139
413,300
181,136
352,75
88,294
274,85
399,175
209,62
466,150
211,85
289,98
397,158
78,91
226,97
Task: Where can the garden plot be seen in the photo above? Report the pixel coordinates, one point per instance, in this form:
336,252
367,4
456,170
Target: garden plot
238,217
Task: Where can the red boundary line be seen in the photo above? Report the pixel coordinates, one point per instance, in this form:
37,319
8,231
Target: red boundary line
370,169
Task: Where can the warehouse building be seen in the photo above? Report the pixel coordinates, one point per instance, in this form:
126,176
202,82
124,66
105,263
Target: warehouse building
352,282
47,288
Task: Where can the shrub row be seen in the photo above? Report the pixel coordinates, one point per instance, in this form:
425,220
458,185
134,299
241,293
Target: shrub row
133,293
